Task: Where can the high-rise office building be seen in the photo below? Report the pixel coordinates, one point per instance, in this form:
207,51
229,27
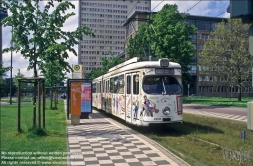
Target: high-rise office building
106,19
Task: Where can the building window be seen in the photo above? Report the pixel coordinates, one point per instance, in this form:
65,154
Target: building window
194,37
200,46
199,36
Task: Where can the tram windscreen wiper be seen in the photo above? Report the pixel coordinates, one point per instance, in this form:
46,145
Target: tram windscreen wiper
164,89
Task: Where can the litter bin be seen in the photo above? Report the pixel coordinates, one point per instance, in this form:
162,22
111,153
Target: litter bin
250,115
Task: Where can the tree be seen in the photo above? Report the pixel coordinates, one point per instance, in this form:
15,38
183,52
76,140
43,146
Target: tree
138,45
3,70
169,37
37,33
225,57
53,75
107,64
19,75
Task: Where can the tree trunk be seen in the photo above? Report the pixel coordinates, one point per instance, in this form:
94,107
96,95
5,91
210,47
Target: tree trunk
239,94
34,95
55,98
56,94
51,98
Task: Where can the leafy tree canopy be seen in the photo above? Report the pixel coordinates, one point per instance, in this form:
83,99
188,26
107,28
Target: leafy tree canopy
107,64
169,37
3,70
38,34
19,75
139,44
225,58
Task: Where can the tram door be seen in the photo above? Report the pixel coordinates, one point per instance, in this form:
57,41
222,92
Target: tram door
132,94
128,95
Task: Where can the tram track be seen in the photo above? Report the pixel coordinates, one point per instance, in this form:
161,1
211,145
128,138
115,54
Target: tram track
159,134
145,130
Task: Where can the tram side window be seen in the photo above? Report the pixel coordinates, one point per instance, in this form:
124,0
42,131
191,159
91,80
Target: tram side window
136,84
111,85
116,84
98,87
128,84
94,87
107,86
103,87
121,84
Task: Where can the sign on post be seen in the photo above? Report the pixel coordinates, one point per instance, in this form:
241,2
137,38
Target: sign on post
78,71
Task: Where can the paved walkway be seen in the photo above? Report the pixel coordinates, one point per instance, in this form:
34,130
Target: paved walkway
101,141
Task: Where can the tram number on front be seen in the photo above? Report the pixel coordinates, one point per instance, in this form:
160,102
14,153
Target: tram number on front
157,118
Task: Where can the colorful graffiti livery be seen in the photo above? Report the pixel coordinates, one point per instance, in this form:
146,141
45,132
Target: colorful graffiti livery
86,104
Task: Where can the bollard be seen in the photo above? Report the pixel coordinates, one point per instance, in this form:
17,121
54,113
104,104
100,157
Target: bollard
250,115
243,136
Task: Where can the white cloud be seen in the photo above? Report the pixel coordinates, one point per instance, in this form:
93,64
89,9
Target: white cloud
18,62
204,8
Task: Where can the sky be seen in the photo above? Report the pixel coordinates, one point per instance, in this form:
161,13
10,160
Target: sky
213,8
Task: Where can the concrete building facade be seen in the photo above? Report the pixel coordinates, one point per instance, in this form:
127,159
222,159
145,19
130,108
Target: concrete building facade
199,84
105,18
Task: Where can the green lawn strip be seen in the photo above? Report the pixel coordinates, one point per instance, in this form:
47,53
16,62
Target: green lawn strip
54,139
218,101
15,99
206,139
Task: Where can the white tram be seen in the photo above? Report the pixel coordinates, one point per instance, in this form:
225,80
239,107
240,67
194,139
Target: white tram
141,91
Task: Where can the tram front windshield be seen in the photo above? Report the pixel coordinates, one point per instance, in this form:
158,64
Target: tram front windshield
161,85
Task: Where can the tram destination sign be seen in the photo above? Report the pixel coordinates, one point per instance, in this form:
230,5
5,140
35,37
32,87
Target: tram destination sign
165,71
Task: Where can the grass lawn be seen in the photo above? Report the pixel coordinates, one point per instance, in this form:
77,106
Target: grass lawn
30,145
217,101
15,99
203,140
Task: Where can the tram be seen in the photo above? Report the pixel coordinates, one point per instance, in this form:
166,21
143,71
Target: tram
141,91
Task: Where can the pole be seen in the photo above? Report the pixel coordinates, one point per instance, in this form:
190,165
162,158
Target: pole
19,126
188,89
39,103
149,36
11,65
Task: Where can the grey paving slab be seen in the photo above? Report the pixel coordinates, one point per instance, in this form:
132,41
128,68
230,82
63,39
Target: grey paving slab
101,141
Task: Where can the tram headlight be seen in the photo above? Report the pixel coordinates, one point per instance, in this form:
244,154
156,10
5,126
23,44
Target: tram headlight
166,110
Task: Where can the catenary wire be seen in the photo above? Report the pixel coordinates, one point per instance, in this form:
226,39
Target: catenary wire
193,6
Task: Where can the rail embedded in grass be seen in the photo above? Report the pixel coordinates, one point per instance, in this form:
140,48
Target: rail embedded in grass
202,140
207,140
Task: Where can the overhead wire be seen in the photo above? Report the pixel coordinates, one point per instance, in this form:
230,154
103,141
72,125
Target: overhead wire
221,14
157,6
193,6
